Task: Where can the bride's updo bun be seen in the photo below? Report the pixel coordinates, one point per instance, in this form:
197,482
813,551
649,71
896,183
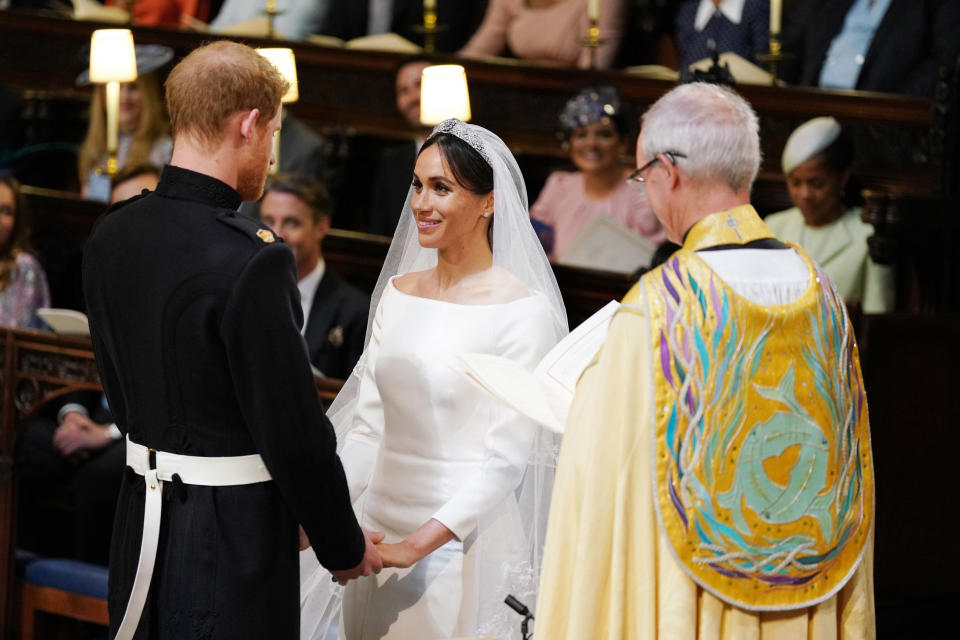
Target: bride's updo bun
468,167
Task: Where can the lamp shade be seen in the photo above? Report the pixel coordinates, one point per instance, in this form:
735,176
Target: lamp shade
112,57
286,64
444,94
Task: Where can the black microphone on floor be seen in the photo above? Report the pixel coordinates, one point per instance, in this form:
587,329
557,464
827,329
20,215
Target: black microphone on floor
522,609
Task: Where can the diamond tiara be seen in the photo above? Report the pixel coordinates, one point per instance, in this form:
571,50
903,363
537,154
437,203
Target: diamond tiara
466,133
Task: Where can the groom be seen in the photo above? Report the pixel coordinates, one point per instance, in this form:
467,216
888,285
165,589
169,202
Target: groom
195,317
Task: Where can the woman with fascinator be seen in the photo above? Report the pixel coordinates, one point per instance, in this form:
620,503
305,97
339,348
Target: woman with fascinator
457,482
594,132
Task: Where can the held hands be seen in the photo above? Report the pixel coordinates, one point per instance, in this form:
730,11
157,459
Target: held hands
371,562
79,434
400,555
428,538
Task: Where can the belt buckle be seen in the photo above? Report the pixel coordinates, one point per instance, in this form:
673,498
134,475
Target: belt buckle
152,458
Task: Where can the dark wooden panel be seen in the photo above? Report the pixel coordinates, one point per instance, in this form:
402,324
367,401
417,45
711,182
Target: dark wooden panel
911,365
916,235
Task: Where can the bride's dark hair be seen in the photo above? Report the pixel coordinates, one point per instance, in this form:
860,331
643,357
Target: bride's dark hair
470,170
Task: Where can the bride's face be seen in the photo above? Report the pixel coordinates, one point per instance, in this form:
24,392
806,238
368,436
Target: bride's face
447,214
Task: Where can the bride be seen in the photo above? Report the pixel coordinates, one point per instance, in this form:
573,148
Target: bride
458,483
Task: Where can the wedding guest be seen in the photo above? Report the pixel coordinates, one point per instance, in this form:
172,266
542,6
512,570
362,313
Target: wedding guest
164,13
297,208
142,124
350,19
825,220
895,46
74,450
295,19
23,284
194,320
737,26
716,478
595,130
458,482
547,31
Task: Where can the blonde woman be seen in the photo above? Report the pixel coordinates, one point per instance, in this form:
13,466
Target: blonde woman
143,129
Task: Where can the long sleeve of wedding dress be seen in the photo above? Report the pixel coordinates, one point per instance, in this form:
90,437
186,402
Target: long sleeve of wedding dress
508,441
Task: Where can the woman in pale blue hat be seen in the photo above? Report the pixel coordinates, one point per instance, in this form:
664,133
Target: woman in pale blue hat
825,220
594,131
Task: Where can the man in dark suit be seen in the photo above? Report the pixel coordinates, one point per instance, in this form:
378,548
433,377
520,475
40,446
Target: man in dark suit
194,319
298,210
70,459
912,38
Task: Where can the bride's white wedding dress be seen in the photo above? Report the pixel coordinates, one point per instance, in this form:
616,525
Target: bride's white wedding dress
420,441
427,443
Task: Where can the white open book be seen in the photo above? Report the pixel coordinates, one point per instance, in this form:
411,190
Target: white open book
65,321
608,244
545,394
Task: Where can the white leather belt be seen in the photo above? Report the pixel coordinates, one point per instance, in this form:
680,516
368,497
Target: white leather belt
158,467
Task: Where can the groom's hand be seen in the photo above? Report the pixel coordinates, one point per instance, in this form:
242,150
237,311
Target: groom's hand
371,562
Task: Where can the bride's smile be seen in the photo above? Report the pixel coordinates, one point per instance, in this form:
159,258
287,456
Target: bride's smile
447,209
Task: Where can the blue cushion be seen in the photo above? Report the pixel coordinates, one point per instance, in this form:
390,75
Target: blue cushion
69,575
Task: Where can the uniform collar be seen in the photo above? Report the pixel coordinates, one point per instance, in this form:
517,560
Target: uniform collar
184,184
737,226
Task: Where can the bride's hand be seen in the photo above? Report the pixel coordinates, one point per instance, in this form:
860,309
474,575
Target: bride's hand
428,538
400,555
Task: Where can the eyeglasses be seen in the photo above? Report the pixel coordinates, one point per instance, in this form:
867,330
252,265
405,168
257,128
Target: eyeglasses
636,178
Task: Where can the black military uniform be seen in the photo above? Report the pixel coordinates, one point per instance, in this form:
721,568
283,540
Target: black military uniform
194,316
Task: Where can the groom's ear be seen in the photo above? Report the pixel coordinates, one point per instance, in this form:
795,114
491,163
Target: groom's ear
248,120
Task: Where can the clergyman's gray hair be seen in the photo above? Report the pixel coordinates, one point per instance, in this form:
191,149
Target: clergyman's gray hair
713,126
